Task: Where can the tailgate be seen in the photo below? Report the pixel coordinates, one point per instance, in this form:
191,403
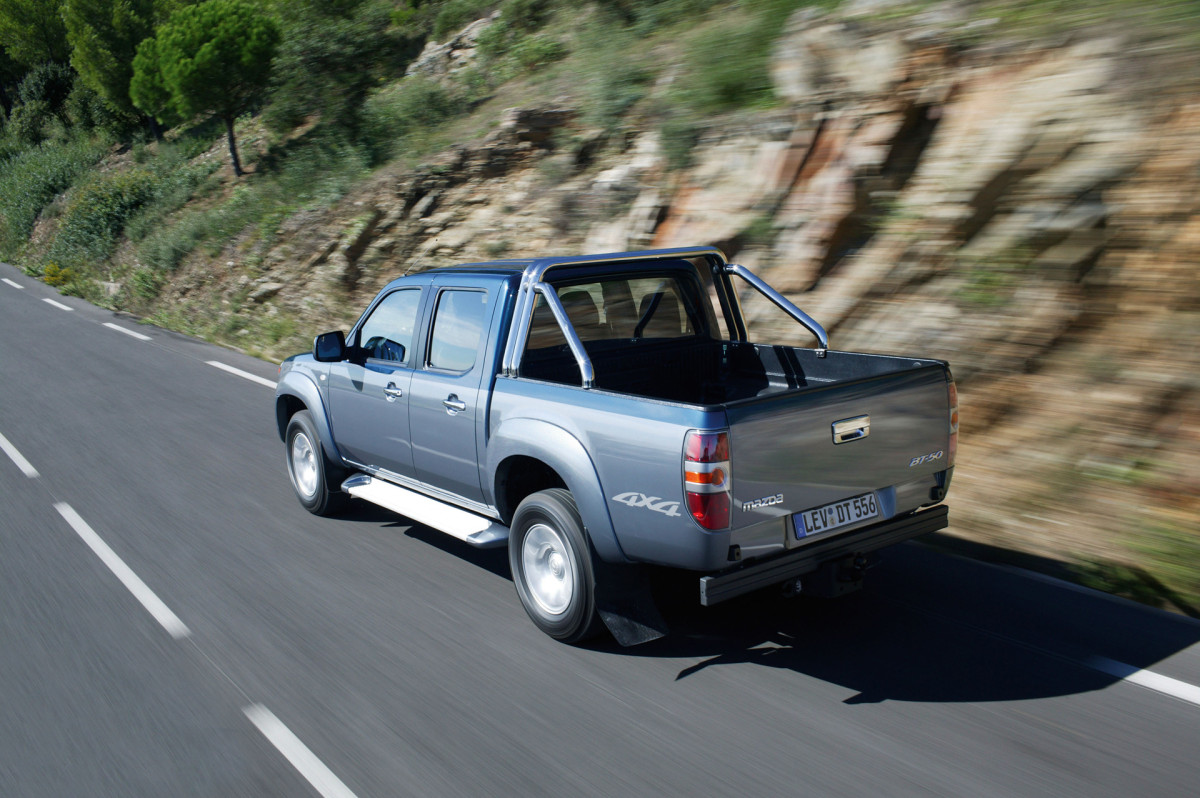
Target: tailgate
895,434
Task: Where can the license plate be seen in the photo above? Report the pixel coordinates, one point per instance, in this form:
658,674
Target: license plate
819,520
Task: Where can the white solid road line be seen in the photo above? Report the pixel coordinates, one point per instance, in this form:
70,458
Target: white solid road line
119,328
14,285
58,305
26,467
1148,679
123,572
243,374
312,769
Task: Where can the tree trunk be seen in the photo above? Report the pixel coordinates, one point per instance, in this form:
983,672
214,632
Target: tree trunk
237,165
155,128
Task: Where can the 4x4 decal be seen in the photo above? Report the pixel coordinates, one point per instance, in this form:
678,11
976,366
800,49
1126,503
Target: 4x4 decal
634,499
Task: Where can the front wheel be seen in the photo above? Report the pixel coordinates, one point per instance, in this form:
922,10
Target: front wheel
308,468
551,562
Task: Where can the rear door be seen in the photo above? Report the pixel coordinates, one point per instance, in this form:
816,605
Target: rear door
449,392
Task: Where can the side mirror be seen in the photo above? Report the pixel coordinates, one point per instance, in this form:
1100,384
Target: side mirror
330,347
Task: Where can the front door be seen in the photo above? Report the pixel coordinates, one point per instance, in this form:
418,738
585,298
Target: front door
447,404
368,394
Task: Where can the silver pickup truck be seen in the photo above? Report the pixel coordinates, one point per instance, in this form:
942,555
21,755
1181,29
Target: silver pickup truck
602,414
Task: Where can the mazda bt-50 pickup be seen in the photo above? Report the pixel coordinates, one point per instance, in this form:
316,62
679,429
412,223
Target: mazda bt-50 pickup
600,415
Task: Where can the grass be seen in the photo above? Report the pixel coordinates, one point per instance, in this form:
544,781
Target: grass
313,173
1057,17
1163,569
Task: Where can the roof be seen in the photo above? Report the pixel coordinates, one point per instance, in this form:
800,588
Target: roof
539,265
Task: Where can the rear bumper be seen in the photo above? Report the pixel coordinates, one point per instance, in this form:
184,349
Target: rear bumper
798,562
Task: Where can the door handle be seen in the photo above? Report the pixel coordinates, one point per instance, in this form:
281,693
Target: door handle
392,392
453,405
851,429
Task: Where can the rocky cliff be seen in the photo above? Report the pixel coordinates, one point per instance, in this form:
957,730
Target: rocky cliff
1029,213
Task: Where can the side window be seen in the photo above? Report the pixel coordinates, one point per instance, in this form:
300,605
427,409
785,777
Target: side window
387,334
457,329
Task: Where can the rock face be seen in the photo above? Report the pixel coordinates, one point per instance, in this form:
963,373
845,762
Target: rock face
1030,215
440,59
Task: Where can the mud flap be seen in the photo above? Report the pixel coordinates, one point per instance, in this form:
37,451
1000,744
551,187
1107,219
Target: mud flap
626,604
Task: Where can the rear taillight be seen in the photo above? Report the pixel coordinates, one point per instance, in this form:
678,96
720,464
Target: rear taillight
706,478
950,455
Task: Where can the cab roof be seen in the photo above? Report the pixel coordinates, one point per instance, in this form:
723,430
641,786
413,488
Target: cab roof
538,266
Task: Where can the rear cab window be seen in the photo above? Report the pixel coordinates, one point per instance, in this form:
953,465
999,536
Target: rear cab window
645,311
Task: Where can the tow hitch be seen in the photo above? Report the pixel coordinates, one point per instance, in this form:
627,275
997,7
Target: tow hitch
835,578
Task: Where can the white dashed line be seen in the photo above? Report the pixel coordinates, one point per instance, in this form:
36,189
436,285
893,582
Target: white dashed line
1148,679
131,333
312,769
123,572
58,305
243,374
14,285
26,467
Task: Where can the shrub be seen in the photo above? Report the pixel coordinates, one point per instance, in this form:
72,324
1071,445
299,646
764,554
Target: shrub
679,136
320,171
32,179
332,55
730,67
27,124
457,14
49,85
405,109
58,276
97,213
146,284
173,186
537,50
526,15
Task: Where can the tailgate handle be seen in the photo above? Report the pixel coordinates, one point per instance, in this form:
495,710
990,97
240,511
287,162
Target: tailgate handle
851,429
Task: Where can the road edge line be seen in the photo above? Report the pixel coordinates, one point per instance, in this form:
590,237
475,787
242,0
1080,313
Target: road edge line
140,590
1146,678
131,333
243,374
13,454
314,771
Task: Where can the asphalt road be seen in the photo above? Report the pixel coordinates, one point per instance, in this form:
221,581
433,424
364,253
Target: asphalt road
172,622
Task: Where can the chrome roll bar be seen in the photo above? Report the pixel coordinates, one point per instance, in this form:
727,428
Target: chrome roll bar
560,315
783,304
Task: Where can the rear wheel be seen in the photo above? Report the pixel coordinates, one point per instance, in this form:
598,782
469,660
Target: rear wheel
310,471
552,569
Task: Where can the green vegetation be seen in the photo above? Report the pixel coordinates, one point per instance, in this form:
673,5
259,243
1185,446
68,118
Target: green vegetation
32,31
104,37
208,59
728,67
29,182
1166,574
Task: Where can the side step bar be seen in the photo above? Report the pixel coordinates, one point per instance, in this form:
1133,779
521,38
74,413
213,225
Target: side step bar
481,532
798,562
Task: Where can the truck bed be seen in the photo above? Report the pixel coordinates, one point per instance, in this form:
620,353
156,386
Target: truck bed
707,372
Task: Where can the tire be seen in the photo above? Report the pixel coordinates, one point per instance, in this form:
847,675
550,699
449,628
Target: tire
552,566
313,477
